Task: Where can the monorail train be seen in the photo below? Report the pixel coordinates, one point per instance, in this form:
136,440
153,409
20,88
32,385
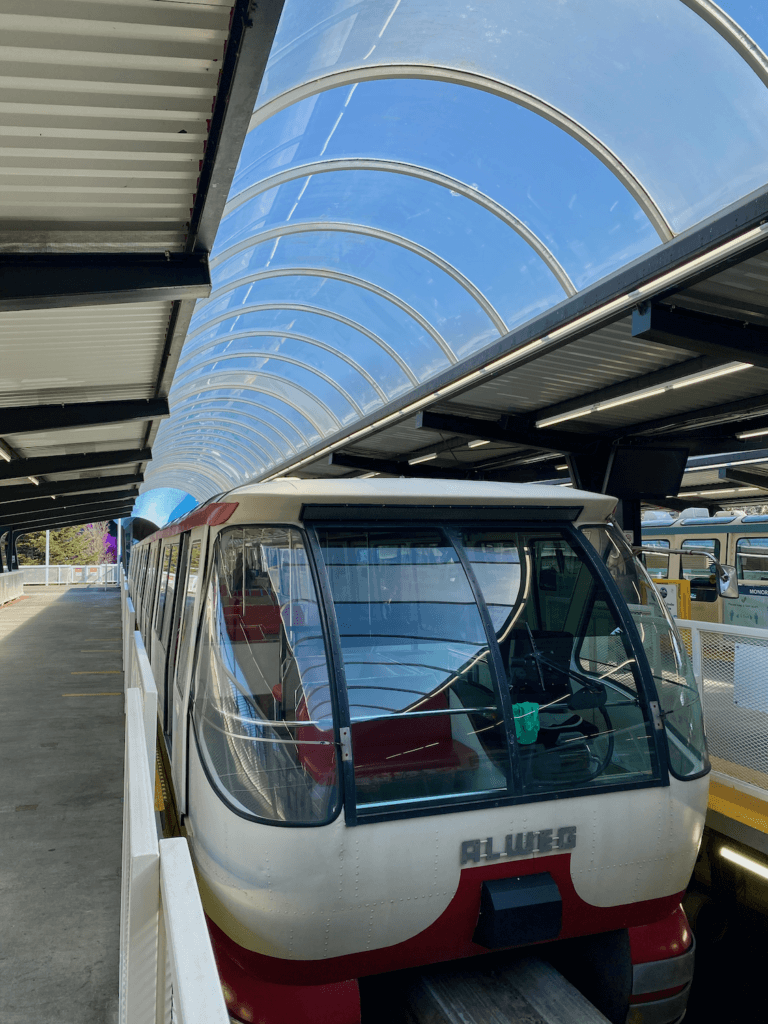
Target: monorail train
411,721
733,538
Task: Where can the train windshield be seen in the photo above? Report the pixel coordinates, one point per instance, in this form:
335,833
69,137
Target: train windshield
678,693
263,712
482,660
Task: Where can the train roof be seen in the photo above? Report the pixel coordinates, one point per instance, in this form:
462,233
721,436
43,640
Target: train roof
282,500
663,521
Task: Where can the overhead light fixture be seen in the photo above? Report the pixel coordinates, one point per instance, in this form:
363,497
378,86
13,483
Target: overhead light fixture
744,862
367,476
564,465
422,458
477,444
34,480
717,490
636,396
724,465
752,433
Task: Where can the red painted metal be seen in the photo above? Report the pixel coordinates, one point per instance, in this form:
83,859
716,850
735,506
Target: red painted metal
215,514
660,940
447,938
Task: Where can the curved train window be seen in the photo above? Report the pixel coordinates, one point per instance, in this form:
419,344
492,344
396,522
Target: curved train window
752,559
676,687
263,712
185,628
572,675
425,717
657,564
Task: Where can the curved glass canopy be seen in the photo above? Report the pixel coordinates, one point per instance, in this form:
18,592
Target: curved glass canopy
420,177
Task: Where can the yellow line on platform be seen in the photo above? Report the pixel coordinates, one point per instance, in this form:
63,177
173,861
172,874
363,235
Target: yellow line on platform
113,693
99,672
749,810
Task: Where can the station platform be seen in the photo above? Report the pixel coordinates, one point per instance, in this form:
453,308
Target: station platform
61,780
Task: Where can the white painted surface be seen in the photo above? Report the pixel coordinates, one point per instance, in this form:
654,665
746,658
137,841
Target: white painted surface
310,894
11,585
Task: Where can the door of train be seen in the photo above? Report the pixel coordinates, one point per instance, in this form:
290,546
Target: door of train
188,602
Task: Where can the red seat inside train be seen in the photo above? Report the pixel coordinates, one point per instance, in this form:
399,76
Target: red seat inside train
392,748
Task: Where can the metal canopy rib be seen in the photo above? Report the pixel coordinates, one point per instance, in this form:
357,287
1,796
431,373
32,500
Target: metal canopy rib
46,464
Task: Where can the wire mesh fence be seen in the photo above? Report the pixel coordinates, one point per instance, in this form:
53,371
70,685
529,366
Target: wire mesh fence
732,667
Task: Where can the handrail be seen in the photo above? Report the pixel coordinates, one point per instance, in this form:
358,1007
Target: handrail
167,969
11,586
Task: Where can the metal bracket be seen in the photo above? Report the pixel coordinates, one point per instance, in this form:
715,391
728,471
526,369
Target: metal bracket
345,742
658,722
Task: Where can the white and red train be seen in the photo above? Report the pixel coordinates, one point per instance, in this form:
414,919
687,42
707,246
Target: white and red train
410,721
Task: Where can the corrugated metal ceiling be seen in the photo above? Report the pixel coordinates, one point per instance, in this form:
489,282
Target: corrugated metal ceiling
104,112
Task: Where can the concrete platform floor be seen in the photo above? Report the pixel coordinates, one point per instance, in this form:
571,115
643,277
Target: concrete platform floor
61,788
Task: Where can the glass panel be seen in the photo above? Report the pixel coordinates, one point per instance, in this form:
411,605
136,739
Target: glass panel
671,667
380,315
163,586
698,569
752,559
284,355
353,344
424,713
683,111
473,240
186,638
167,615
571,672
263,710
525,163
430,291
657,565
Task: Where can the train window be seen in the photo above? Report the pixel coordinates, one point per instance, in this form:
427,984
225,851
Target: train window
570,670
425,716
262,709
676,686
185,636
752,559
697,568
166,562
170,588
657,564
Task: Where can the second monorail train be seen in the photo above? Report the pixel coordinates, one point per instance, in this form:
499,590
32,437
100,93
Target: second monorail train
732,537
410,721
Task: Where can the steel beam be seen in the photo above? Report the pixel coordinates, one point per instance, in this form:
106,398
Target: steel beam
730,474
697,332
516,430
74,518
29,418
14,509
55,280
42,466
60,487
252,31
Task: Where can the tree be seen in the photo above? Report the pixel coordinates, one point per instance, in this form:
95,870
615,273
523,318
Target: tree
73,545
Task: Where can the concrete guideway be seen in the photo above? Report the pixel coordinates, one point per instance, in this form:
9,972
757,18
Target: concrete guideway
61,778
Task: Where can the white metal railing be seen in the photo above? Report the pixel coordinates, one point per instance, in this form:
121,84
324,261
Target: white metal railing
67,575
11,586
167,971
731,668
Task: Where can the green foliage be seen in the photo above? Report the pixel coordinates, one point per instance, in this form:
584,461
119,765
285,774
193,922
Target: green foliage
73,545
